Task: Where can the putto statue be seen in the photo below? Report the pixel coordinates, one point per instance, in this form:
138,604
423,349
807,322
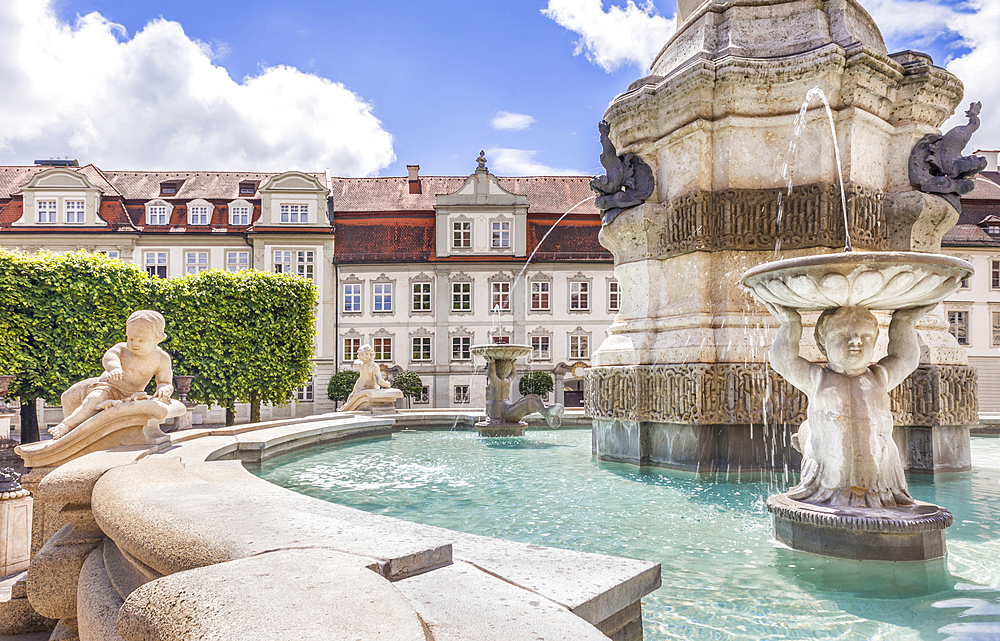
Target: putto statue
371,391
128,368
629,180
937,165
848,455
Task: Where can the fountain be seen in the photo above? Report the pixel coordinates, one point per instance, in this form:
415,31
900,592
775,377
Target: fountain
503,418
682,379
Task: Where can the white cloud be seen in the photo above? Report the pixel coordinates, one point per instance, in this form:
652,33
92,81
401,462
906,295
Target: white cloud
633,35
507,121
520,162
157,101
909,24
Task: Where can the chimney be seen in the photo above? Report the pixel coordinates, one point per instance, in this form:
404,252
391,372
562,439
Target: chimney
991,158
414,180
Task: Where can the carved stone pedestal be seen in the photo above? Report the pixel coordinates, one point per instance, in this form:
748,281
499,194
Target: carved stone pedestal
911,533
486,428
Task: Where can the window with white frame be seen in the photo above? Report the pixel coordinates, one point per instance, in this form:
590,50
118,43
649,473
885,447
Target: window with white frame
959,326
425,395
614,296
996,329
461,394
75,211
294,213
352,298
421,297
239,215
540,348
500,233
351,346
195,262
305,393
461,297
382,297
579,346
237,261
112,253
383,348
283,261
46,210
579,295
156,215
500,298
461,348
461,237
198,214
304,264
155,263
995,274
540,290
421,348
299,263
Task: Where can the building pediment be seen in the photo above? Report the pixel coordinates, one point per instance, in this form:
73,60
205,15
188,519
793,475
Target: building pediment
293,181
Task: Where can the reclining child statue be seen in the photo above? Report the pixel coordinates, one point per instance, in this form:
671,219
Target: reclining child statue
128,368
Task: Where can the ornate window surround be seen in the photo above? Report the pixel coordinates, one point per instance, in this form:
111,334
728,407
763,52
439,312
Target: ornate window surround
540,332
459,332
454,279
540,277
421,279
351,279
501,277
422,332
385,280
200,202
579,331
158,202
579,277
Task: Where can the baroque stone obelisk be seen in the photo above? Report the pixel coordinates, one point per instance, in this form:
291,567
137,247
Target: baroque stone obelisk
682,380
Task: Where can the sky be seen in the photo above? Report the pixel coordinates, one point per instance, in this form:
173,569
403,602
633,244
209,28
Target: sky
366,88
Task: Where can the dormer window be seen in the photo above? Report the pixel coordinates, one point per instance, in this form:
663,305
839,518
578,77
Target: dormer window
993,230
168,189
248,188
158,212
199,212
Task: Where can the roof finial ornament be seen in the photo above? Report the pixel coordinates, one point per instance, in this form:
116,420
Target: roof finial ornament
481,169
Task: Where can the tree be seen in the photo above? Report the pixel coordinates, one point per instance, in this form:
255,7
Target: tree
410,384
536,383
342,384
63,312
246,336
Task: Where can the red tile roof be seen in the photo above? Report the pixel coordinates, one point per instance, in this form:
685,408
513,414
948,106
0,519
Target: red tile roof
968,235
546,194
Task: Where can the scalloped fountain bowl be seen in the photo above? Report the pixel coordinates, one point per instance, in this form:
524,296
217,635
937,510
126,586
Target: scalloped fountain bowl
501,351
875,280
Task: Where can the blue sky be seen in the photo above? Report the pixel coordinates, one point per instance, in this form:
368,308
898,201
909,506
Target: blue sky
366,88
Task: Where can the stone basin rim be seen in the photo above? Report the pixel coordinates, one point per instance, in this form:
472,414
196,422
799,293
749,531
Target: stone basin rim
854,266
500,351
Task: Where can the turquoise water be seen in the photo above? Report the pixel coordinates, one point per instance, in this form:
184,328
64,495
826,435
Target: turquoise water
723,578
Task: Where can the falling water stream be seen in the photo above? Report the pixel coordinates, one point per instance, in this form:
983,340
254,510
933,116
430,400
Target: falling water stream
786,174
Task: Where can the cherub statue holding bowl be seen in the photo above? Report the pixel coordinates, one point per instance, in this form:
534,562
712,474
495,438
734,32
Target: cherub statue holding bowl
848,455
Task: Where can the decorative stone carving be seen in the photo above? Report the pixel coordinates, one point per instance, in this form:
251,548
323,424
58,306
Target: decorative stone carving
874,280
368,393
849,456
746,220
128,368
113,409
753,393
937,165
504,417
629,180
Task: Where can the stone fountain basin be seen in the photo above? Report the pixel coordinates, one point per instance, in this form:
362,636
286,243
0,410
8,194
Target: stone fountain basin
875,280
501,351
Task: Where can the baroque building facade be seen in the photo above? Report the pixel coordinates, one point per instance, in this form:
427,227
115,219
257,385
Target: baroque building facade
974,310
420,267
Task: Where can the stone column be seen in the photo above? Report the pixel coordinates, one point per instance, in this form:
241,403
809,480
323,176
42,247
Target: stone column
681,381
